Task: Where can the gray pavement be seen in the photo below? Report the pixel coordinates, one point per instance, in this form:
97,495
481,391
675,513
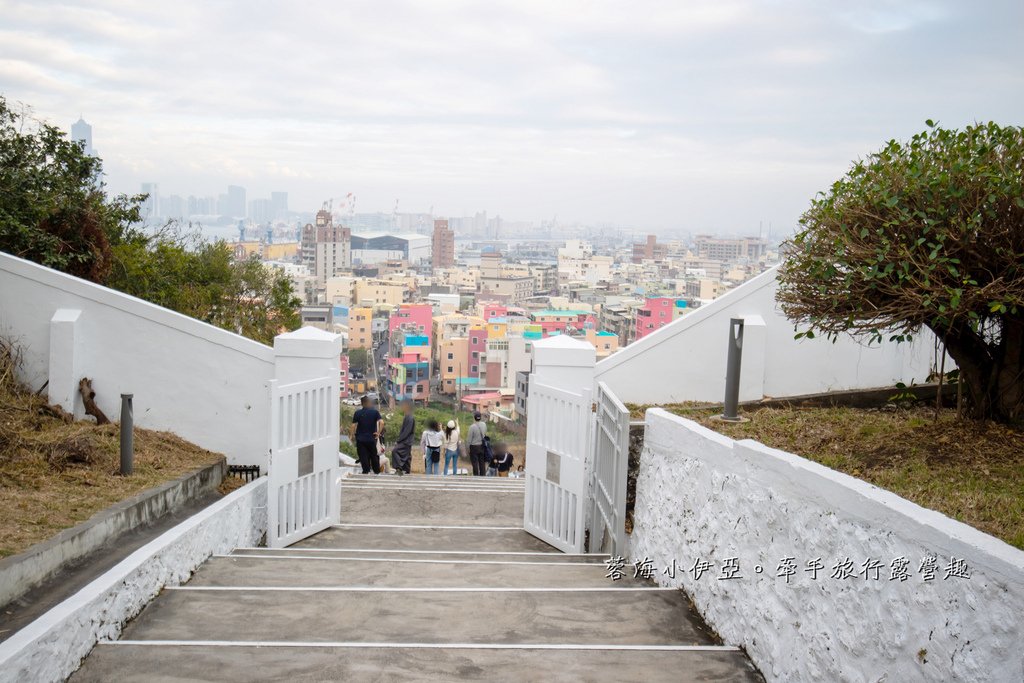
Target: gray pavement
427,538
168,664
423,581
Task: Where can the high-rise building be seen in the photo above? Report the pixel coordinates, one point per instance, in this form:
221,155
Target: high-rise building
151,207
326,248
279,202
235,202
730,249
261,210
649,250
173,207
443,245
82,132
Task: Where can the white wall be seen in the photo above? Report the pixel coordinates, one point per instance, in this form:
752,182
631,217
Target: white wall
702,495
201,382
53,646
685,360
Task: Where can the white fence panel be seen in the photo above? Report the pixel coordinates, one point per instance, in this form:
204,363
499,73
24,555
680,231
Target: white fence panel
557,445
303,495
611,465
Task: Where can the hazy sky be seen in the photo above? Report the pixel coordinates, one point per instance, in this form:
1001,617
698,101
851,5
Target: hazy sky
696,115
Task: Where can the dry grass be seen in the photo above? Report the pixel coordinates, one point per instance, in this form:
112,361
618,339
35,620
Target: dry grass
971,471
55,474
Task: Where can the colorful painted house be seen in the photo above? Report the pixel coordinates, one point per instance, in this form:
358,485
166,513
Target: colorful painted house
657,312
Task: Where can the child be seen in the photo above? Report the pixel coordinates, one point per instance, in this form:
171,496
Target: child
503,462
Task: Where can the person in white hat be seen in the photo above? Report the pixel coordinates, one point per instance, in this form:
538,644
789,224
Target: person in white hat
451,446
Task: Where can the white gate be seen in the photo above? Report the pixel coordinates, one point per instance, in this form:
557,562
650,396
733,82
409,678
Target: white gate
611,465
303,496
557,444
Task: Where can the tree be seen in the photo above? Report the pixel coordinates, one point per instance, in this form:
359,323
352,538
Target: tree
358,360
54,211
928,232
179,270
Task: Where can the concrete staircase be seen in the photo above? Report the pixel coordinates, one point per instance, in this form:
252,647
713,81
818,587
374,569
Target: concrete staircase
427,579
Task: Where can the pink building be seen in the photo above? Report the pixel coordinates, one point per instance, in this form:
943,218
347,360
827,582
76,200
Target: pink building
344,376
414,319
494,310
563,321
477,351
656,312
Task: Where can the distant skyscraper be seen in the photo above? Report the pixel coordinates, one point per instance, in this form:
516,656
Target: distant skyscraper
279,201
235,205
82,132
151,207
261,210
443,245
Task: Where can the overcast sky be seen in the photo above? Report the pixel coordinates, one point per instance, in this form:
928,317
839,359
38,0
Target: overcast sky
694,115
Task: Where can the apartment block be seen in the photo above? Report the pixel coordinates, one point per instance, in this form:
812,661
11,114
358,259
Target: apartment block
656,313
442,254
360,328
730,249
326,248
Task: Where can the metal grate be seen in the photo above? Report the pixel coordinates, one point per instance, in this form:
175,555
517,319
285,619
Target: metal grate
246,472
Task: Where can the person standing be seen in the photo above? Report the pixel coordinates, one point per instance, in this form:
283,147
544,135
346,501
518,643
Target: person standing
367,426
432,442
475,441
401,455
451,446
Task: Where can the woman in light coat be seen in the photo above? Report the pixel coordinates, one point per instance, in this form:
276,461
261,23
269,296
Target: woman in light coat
451,446
432,442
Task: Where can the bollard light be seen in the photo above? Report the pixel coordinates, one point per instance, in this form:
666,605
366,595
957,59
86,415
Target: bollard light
732,371
127,436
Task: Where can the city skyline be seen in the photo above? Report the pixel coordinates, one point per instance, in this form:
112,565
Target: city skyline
669,115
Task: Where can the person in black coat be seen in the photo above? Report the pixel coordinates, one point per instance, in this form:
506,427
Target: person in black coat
401,456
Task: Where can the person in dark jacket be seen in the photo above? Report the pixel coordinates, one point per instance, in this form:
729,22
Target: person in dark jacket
401,456
367,426
502,460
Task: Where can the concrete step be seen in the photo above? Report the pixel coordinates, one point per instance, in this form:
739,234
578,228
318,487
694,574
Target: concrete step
612,617
409,506
433,484
423,556
438,478
283,571
409,486
389,662
512,539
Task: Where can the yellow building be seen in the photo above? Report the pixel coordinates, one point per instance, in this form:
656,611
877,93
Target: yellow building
606,343
497,330
277,251
453,358
360,328
367,292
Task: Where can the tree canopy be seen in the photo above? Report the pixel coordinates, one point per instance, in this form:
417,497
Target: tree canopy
54,210
927,232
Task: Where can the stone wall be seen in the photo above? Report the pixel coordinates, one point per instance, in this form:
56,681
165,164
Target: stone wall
702,497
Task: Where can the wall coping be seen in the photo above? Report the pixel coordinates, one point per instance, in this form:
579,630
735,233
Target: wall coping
677,327
133,306
777,469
